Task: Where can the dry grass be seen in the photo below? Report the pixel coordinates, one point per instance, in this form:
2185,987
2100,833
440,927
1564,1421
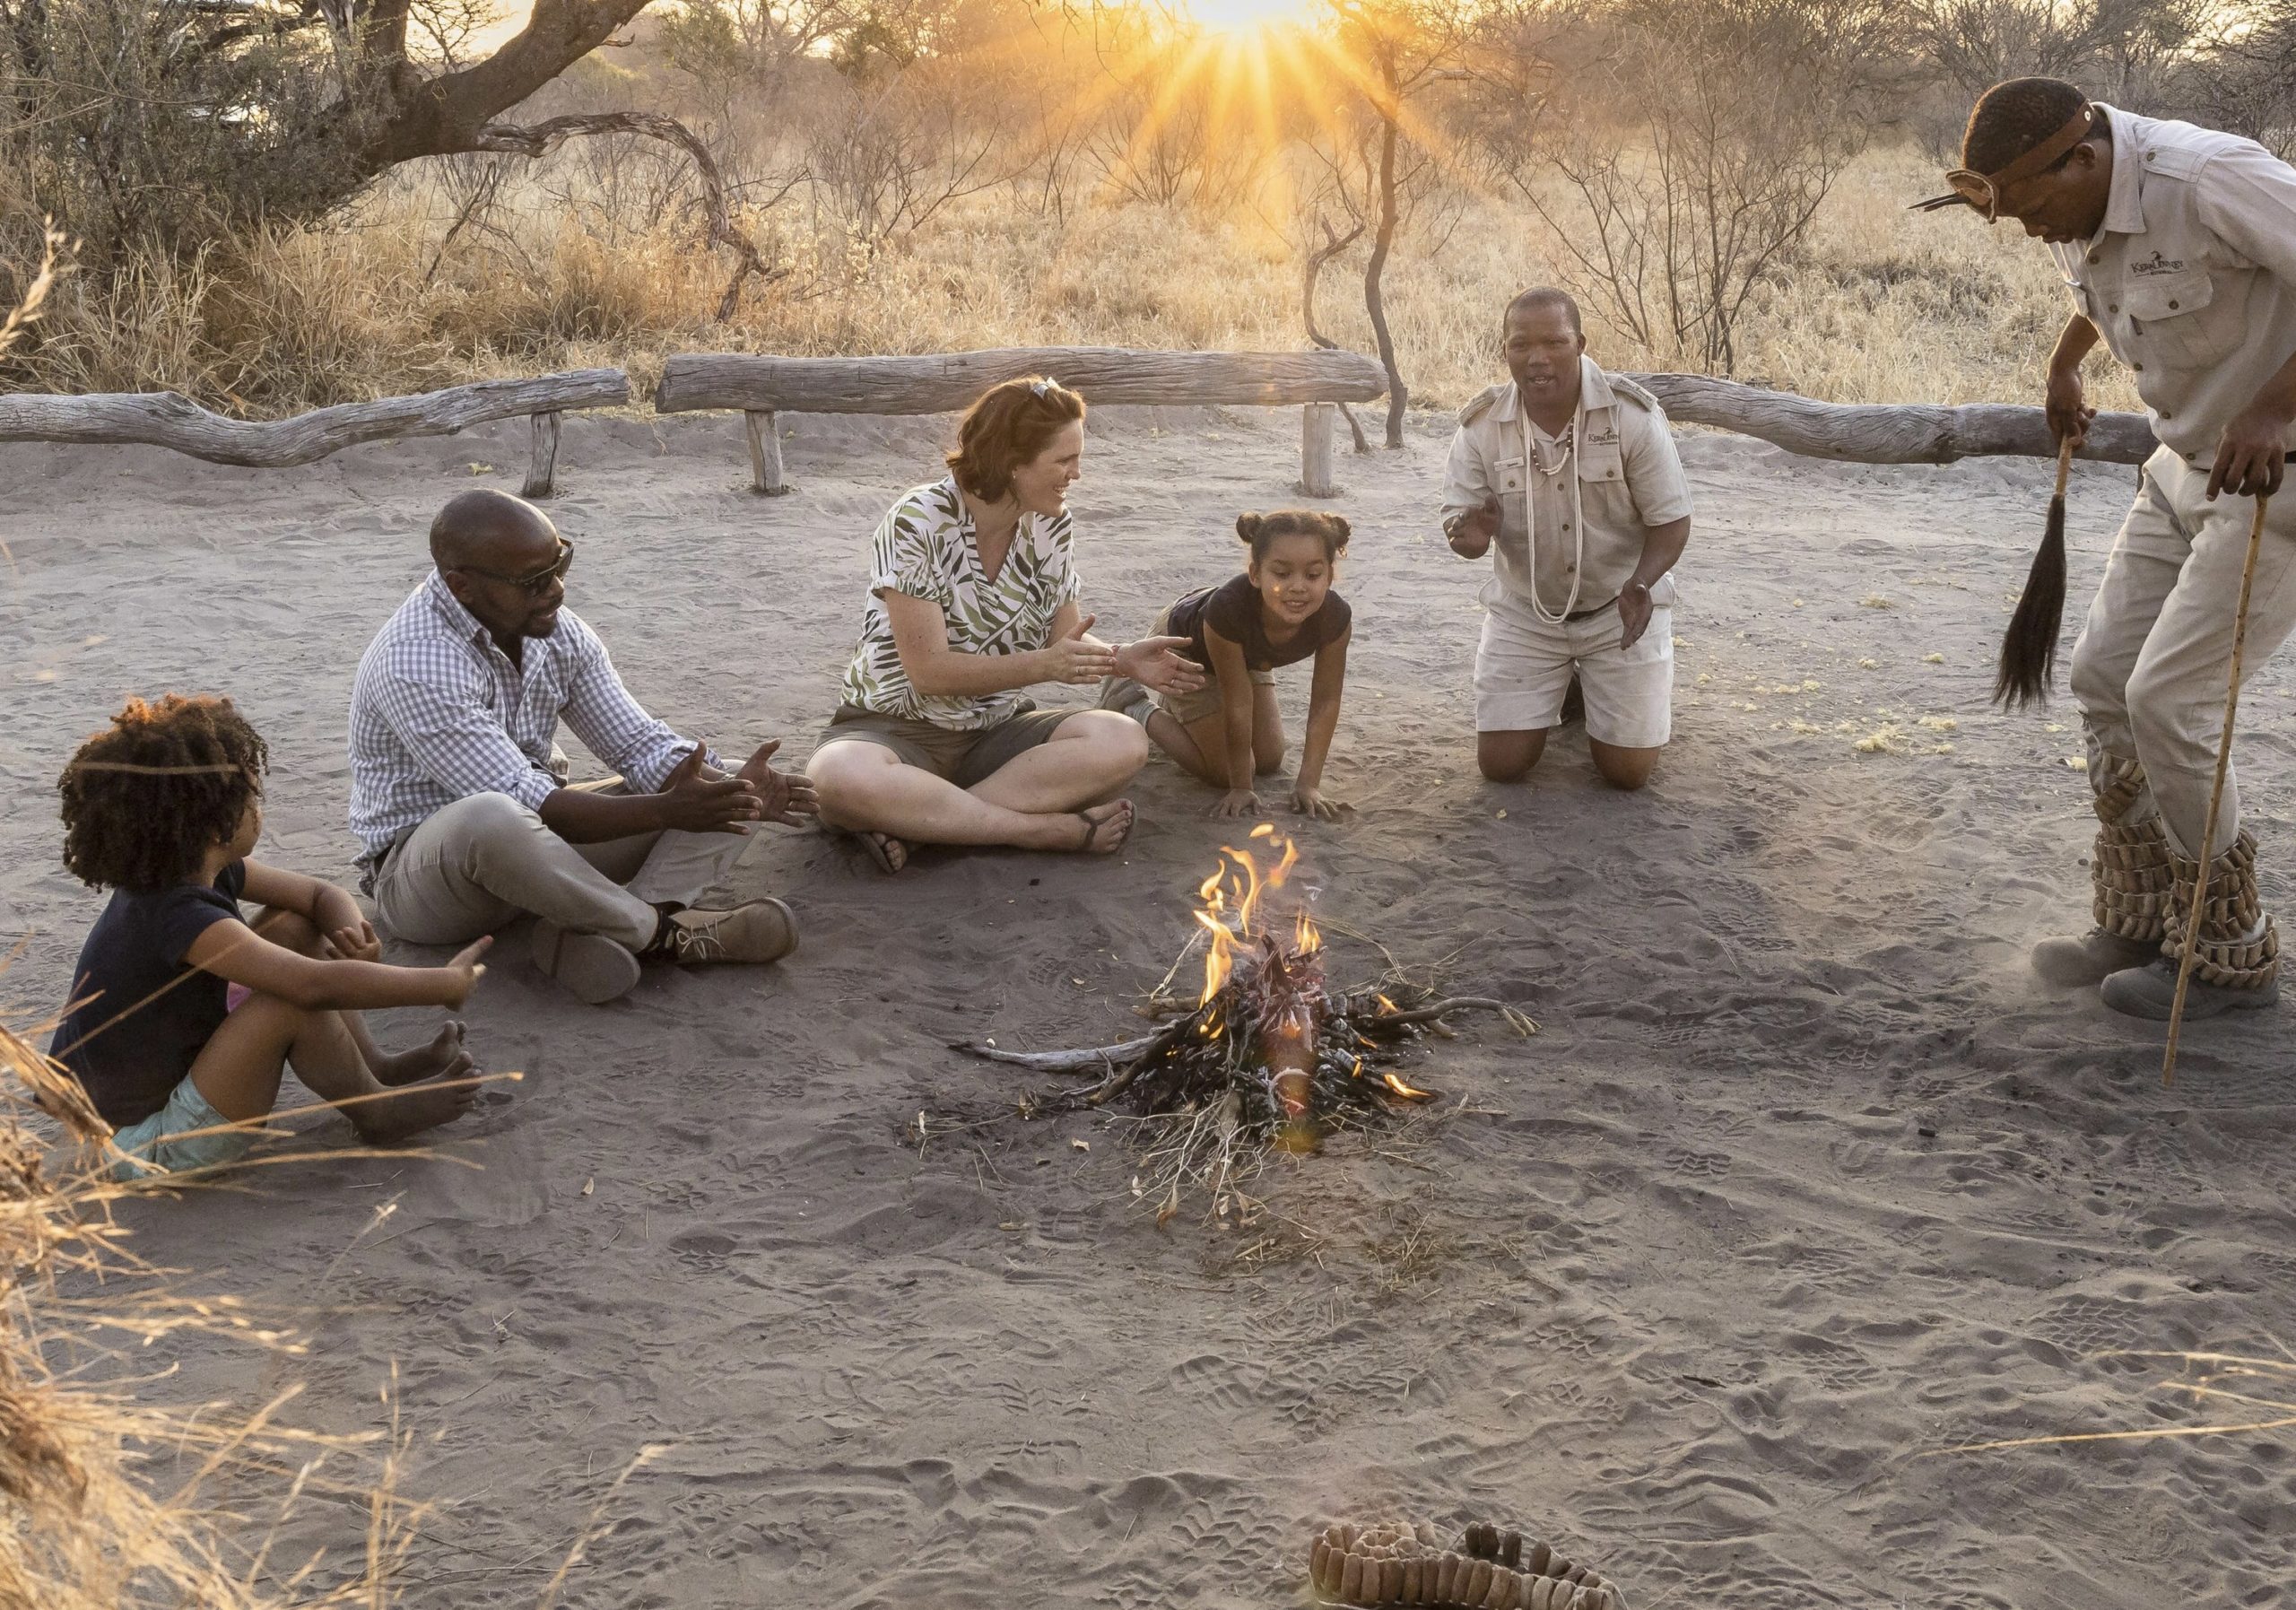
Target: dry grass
2253,1394
1881,305
105,1500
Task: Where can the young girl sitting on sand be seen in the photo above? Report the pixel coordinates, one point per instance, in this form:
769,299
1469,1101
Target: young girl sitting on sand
181,1015
1280,610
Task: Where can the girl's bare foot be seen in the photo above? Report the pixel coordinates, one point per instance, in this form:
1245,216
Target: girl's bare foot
411,1109
444,1055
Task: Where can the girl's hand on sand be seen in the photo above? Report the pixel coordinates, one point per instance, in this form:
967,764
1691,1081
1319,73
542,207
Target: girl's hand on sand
463,972
1310,802
1237,802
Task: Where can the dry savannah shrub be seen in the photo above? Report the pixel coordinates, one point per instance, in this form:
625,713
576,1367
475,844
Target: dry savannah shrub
108,1502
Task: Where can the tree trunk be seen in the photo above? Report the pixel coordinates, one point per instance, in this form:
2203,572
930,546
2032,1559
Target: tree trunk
1399,395
391,113
1334,244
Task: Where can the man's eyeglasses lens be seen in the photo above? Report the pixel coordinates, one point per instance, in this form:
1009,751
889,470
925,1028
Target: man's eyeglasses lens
537,584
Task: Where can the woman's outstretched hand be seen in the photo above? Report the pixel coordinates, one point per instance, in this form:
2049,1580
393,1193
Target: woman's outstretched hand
1237,802
1078,658
1310,802
1157,663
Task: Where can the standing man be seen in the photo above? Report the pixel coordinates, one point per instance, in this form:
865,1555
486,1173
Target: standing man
2179,246
460,792
1572,471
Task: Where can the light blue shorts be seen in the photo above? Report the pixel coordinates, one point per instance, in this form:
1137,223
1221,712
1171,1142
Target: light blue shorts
167,1143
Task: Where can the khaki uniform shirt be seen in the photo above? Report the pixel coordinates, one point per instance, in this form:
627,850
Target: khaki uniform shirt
1629,478
2192,278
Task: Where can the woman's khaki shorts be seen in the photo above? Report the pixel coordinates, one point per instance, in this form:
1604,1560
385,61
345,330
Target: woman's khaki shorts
960,757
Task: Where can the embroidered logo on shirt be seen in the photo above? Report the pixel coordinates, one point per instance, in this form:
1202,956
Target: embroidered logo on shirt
2157,263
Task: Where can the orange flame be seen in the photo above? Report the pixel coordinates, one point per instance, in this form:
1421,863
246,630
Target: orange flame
1229,911
1405,1091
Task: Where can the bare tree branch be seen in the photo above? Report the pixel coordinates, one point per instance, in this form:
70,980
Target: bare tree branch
539,139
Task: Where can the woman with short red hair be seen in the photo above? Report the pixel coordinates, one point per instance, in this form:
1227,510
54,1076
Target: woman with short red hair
972,600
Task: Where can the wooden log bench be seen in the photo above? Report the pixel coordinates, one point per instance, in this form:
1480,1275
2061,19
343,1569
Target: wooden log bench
762,387
167,419
1889,432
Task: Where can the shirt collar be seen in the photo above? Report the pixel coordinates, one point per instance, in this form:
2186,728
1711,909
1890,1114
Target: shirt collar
1594,392
2124,202
449,609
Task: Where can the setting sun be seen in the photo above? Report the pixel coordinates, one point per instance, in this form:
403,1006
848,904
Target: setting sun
1245,17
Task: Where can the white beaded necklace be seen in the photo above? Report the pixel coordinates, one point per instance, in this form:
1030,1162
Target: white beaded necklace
1569,444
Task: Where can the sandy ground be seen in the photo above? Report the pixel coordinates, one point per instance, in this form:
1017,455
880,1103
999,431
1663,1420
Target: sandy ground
1802,1177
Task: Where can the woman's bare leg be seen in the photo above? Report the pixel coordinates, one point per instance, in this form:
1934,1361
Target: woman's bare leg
866,787
1089,757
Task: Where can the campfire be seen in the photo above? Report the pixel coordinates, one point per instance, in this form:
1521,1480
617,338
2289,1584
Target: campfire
1269,1055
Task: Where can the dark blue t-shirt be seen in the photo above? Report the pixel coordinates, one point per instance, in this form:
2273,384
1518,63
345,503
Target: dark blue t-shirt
132,964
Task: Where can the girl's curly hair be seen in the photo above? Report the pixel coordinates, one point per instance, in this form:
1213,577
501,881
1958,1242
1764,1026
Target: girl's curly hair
145,800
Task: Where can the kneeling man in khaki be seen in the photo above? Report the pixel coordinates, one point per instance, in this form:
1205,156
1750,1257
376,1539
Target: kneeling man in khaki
459,791
1572,472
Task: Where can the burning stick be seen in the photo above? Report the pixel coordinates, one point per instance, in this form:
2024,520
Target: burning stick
1266,1047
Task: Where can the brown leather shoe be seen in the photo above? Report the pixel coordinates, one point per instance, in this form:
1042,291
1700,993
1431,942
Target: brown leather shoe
755,931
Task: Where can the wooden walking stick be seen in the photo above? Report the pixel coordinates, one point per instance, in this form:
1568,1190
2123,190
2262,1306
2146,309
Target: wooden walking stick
2029,647
2215,793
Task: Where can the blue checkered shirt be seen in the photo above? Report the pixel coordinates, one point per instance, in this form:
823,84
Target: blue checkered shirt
439,713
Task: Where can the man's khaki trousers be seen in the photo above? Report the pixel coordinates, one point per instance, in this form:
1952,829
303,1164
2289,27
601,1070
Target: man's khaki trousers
481,863
2149,670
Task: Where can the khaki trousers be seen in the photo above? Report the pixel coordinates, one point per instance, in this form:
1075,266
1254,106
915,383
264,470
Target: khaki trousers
482,863
2149,669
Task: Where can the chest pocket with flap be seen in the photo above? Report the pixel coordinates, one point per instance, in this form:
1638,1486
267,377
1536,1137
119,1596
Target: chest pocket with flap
2173,319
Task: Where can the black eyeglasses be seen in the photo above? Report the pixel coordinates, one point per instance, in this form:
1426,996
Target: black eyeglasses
537,584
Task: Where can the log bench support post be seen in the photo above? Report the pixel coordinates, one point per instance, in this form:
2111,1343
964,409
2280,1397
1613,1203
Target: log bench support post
542,464
1316,425
765,452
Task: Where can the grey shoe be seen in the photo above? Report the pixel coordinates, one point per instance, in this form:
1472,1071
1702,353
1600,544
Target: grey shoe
2149,991
590,965
2089,961
757,930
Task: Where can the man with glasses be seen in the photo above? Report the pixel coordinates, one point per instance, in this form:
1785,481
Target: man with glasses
2178,247
460,792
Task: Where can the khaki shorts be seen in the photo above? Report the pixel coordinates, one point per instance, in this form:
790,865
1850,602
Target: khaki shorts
1523,665
963,758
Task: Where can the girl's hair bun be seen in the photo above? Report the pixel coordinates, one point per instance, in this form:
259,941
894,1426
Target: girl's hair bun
1261,529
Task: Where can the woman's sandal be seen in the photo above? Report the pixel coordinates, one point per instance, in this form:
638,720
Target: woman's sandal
889,854
1128,814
